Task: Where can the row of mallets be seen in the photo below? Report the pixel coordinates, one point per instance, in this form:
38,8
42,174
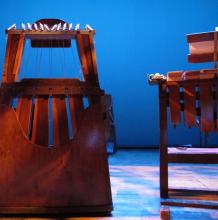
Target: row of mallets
44,27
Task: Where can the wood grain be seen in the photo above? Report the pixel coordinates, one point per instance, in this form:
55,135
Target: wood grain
40,122
60,121
174,102
190,105
24,114
207,113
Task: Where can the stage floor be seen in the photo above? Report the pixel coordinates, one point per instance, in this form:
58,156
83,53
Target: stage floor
135,187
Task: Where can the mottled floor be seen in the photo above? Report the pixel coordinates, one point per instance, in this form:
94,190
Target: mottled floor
135,185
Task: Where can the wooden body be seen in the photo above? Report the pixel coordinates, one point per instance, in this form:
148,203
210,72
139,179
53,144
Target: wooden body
44,168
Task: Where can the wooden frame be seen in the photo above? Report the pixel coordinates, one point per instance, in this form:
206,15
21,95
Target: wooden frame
180,197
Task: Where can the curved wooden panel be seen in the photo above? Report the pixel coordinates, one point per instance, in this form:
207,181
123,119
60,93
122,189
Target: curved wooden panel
206,104
76,109
75,176
60,121
40,122
190,105
24,111
174,102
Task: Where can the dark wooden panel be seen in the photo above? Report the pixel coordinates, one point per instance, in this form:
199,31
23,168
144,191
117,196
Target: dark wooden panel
24,110
40,122
60,121
174,103
76,109
206,104
50,43
190,105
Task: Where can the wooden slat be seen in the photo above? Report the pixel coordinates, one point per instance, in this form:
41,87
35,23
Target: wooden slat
82,56
18,57
76,108
9,57
189,105
200,58
174,102
60,121
206,103
40,122
93,56
24,110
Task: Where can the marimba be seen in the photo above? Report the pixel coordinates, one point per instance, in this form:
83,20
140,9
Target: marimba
72,175
195,95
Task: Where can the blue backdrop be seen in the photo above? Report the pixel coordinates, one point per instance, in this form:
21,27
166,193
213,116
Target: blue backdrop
134,38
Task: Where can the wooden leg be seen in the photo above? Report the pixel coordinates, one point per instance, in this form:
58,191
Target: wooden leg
163,142
164,213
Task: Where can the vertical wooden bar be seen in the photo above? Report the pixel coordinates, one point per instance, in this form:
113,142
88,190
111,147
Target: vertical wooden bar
76,108
82,55
174,102
18,57
87,57
206,104
163,141
216,103
190,105
24,109
60,121
40,122
13,56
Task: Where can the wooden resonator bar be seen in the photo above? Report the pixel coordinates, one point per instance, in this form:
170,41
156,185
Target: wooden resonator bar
194,99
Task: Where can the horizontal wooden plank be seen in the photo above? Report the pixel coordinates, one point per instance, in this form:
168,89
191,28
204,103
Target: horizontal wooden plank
193,155
200,58
58,87
37,35
204,36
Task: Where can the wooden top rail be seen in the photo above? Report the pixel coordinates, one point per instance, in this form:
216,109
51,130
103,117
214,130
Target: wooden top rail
49,35
50,87
204,36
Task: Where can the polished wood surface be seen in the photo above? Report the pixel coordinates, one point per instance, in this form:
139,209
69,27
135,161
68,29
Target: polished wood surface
74,176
